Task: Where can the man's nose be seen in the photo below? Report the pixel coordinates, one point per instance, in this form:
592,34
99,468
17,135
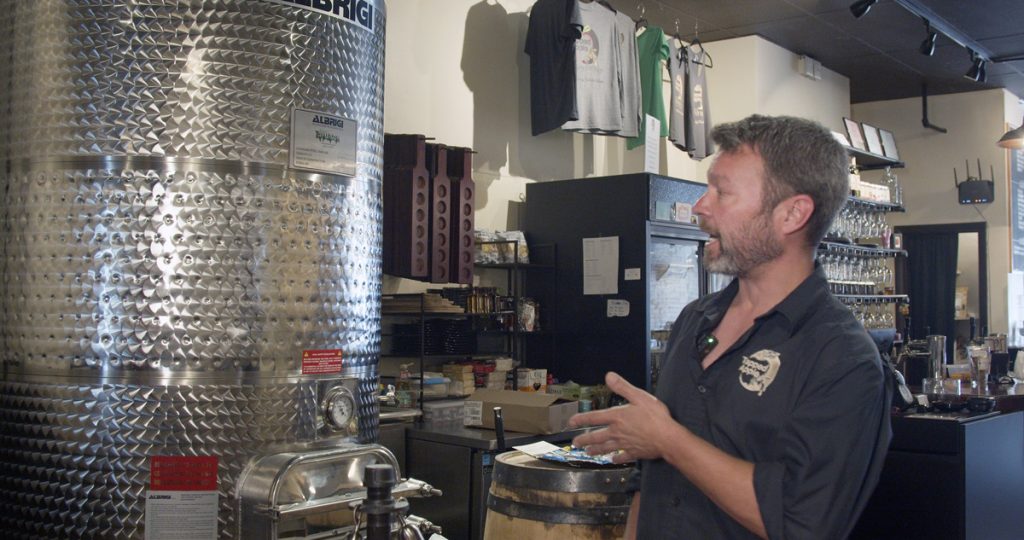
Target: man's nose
700,208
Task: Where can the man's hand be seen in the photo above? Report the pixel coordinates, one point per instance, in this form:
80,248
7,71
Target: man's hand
636,428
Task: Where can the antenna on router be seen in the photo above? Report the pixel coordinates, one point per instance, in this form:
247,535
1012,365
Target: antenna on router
974,189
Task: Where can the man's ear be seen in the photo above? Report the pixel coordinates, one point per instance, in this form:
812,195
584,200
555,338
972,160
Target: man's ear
794,212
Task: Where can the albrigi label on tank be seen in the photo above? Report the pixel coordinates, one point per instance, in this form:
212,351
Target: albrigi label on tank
357,11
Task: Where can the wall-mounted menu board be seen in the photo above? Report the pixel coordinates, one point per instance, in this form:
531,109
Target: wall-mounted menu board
1016,169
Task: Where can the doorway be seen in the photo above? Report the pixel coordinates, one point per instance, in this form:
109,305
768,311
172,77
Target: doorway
929,276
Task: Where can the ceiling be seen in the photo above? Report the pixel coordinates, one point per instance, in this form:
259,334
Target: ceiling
878,52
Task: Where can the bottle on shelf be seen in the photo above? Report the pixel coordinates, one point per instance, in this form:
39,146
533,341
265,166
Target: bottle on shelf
895,190
403,389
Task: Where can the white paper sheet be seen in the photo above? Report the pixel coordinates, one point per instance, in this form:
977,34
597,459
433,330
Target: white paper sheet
601,265
652,144
536,449
618,308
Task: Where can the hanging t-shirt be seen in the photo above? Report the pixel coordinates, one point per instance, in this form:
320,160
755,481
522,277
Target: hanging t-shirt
631,111
698,118
550,42
651,51
677,66
598,72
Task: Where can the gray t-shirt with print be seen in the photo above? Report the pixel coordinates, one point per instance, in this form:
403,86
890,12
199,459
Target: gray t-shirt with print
598,72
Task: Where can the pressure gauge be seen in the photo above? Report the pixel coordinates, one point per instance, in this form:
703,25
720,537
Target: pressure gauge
339,407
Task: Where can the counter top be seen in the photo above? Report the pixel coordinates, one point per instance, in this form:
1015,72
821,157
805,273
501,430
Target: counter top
483,439
1009,397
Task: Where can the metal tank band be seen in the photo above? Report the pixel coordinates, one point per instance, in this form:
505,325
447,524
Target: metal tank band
162,266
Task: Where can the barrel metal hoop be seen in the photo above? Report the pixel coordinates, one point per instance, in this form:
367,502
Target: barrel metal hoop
167,163
588,481
592,515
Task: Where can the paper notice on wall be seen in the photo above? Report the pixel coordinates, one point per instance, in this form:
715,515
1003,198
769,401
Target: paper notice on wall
601,265
652,144
618,308
182,500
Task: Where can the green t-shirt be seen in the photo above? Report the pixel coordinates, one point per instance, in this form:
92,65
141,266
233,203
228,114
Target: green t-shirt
651,51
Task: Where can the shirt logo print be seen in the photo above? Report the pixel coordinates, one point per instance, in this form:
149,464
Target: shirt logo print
758,370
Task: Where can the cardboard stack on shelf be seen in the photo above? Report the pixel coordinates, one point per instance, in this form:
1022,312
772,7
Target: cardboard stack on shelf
461,376
431,303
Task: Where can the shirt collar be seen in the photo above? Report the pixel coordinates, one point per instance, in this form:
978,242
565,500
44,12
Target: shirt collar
793,309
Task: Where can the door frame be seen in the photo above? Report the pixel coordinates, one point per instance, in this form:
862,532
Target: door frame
968,227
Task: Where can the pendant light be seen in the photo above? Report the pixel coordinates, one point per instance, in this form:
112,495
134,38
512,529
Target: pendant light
1013,138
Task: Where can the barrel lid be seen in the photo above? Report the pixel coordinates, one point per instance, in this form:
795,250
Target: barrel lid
516,469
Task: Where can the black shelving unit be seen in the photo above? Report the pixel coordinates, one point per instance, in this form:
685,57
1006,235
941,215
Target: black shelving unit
875,205
855,292
870,161
876,298
421,316
860,249
511,339
542,257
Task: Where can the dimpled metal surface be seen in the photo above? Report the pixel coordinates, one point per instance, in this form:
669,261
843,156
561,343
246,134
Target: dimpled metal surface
162,267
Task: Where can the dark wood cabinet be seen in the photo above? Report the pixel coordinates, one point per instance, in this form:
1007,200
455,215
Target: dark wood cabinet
950,478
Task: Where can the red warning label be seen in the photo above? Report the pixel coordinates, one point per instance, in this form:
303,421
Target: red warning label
183,473
318,362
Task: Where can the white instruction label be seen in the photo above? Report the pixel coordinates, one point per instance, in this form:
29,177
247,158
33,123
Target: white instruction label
474,413
618,308
323,142
652,144
181,515
632,274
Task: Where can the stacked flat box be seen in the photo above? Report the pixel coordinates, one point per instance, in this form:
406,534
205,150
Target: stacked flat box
462,378
460,172
440,210
406,206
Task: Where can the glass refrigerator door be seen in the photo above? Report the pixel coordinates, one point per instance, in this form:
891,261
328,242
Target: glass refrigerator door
675,281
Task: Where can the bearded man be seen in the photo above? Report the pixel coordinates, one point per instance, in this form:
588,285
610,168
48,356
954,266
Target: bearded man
771,418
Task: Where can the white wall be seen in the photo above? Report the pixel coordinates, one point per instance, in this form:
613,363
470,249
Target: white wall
967,270
752,75
459,75
975,122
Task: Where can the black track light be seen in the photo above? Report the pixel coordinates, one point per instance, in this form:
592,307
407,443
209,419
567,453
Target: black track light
927,47
861,8
977,71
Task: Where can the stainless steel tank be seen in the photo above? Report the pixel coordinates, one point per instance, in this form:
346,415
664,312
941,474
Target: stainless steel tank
190,264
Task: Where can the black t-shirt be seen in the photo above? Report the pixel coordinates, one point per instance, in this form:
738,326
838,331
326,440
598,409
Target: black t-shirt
555,26
802,396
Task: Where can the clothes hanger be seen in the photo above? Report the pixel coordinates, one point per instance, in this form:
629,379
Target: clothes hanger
705,57
683,54
642,21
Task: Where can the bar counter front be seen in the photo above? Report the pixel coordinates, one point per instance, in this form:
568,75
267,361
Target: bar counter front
952,475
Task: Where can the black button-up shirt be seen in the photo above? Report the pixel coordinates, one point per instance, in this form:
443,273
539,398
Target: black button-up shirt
802,395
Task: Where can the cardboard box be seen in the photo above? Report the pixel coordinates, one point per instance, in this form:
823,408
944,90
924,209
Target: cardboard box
526,412
532,380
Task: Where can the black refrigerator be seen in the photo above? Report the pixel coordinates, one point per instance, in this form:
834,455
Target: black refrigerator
624,326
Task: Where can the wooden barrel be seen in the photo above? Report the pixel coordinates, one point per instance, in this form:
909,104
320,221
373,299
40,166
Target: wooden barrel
535,499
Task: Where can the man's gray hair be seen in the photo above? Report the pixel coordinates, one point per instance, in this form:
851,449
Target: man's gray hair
800,157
